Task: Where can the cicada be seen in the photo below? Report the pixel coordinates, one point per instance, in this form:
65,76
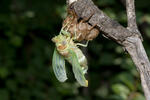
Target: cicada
67,49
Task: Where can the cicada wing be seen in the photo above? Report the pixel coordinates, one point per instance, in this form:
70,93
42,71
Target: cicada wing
58,64
77,70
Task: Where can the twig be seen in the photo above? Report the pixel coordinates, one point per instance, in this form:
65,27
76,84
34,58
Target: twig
131,14
132,25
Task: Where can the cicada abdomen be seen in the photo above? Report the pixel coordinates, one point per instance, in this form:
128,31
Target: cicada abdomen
68,49
81,58
77,69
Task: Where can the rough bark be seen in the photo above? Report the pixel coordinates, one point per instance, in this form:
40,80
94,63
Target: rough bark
130,38
136,49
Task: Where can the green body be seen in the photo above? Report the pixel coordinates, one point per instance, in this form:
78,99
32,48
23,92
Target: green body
68,49
80,57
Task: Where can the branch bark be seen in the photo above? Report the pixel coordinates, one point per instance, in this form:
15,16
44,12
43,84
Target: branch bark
132,25
131,14
136,49
130,38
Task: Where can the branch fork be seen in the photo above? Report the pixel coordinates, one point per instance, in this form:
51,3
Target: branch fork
129,38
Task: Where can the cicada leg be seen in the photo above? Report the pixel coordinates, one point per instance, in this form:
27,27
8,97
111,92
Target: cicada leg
62,29
65,32
83,45
75,37
92,27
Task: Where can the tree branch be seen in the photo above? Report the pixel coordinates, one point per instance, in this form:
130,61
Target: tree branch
111,28
132,26
131,14
136,50
139,56
129,38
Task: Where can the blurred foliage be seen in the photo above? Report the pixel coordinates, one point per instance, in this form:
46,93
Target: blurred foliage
26,29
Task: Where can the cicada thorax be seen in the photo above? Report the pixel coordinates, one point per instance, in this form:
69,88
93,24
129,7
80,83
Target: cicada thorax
62,44
63,52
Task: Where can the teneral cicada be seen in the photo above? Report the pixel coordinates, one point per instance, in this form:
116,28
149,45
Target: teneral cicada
66,49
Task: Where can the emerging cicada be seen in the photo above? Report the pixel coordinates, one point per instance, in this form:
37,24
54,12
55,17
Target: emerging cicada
66,49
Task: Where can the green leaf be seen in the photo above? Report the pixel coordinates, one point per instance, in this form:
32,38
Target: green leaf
102,91
58,64
3,72
68,88
16,41
4,94
127,79
120,90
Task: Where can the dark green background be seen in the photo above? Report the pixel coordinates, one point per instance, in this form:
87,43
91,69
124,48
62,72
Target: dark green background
26,29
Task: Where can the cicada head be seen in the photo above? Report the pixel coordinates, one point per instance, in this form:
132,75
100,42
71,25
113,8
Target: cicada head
61,44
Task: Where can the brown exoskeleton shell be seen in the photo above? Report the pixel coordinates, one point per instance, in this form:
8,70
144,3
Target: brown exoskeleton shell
80,30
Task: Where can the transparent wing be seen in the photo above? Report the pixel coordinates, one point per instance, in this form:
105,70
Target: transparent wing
58,64
77,70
